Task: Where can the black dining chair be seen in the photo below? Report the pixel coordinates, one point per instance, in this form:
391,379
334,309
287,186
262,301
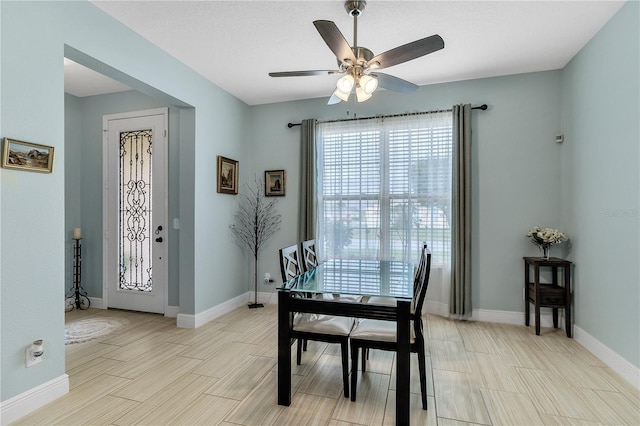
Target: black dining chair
309,257
378,334
290,266
316,327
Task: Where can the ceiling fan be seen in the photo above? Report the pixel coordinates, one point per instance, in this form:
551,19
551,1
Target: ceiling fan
359,66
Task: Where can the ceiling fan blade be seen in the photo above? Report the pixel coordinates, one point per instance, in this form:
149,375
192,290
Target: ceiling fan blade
304,73
396,84
408,51
333,99
335,40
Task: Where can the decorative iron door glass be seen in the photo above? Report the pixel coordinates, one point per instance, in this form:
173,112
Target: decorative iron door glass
138,272
134,233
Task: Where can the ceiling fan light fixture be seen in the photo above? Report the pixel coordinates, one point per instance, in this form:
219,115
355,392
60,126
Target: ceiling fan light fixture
341,95
368,84
362,95
345,84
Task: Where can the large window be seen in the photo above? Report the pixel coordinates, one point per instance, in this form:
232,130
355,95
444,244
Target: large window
384,187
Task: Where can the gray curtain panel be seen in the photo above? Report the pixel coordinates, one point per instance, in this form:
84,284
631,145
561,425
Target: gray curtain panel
460,300
307,216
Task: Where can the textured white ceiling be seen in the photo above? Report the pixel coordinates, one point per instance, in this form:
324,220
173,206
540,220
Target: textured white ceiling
235,44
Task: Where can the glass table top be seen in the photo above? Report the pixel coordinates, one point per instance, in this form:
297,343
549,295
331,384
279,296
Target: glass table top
356,277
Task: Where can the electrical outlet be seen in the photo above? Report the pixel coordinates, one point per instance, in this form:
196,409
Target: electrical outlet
267,278
31,358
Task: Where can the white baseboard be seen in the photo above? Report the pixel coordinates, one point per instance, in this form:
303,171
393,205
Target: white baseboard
195,321
23,404
624,368
97,302
170,311
488,315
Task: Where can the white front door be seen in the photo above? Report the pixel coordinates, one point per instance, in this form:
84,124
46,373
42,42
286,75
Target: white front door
135,210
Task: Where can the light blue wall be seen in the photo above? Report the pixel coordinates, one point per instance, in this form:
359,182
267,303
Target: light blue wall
34,38
601,182
72,180
521,177
515,168
83,134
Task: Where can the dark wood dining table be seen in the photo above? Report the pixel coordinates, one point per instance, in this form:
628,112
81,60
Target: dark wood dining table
367,278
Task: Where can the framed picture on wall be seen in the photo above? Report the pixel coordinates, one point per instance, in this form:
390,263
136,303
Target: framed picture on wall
27,156
227,175
274,184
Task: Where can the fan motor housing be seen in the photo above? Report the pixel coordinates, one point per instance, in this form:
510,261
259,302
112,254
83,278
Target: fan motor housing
362,54
355,7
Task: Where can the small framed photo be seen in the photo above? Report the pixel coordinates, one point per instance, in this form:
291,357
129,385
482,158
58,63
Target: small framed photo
27,156
227,175
274,184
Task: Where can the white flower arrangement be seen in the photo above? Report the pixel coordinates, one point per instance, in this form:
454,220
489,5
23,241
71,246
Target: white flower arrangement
545,237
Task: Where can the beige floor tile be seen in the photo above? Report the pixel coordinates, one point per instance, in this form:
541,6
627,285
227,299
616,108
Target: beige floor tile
225,361
619,383
204,410
339,423
260,408
524,353
152,361
71,403
173,398
239,383
417,416
458,397
380,361
90,370
152,382
371,397
549,376
208,345
103,411
308,410
552,395
135,333
325,378
449,355
441,329
508,408
548,419
577,373
614,408
477,339
495,373
442,421
414,386
81,353
145,347
510,331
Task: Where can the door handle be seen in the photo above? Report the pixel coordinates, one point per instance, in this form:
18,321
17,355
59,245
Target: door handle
159,240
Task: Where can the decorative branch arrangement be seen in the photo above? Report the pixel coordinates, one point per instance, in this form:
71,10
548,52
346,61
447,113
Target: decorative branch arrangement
255,222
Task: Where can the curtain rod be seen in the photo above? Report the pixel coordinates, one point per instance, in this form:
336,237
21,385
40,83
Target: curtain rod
482,107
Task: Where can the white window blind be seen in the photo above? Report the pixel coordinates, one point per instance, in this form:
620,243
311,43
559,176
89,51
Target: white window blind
384,187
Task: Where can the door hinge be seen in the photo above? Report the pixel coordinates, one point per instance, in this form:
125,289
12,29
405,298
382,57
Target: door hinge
165,133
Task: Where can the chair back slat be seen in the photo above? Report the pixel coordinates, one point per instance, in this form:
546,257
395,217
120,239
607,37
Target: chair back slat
421,281
289,262
308,250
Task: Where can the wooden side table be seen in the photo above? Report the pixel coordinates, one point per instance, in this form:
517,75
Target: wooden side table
548,295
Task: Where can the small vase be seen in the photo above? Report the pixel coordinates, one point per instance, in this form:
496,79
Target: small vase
545,251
